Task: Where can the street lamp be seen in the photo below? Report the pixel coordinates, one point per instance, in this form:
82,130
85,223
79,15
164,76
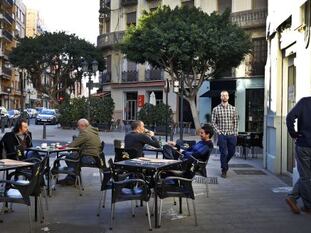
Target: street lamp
8,90
90,83
178,87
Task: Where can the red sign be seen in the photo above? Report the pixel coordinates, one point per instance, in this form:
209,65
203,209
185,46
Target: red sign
140,101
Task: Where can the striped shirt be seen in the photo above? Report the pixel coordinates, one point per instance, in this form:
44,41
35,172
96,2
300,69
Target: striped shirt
225,119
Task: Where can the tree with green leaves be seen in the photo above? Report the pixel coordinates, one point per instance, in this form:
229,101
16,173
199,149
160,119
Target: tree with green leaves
189,44
56,56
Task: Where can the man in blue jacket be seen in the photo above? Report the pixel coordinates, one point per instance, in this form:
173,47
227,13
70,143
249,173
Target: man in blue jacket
302,188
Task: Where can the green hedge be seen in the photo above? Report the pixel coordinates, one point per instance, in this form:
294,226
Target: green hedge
72,110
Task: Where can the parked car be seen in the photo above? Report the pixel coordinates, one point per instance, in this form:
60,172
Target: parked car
13,115
39,109
4,115
47,116
32,112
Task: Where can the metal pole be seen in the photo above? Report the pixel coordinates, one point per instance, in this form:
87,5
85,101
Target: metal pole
166,103
182,108
21,75
89,100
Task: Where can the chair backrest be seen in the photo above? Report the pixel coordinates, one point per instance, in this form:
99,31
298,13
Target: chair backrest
256,139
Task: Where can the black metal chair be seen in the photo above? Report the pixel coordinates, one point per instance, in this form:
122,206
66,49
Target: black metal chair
255,141
75,170
128,187
175,184
19,192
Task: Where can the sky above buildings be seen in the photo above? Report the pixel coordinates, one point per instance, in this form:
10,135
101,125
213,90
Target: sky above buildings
73,16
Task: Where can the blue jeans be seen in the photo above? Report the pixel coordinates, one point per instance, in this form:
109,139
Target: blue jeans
302,188
226,145
85,159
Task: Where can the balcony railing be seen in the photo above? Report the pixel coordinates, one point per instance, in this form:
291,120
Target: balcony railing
6,34
109,39
6,72
8,17
130,76
154,74
106,77
249,19
128,2
9,2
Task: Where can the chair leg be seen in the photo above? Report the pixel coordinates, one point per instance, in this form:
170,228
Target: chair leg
100,175
41,209
207,191
79,184
100,202
133,211
29,219
45,198
148,213
187,202
111,215
195,213
105,194
160,214
174,201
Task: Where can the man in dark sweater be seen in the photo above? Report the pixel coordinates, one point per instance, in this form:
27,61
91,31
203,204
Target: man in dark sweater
138,137
302,189
201,150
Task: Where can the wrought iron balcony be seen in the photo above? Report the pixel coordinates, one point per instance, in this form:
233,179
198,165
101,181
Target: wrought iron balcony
8,17
106,77
128,2
110,39
130,76
250,19
8,2
6,72
6,34
154,74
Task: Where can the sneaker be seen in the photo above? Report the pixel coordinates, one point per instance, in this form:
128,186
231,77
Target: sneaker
306,210
293,205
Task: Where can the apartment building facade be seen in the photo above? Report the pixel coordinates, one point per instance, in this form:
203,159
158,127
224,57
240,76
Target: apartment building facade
130,84
7,42
288,77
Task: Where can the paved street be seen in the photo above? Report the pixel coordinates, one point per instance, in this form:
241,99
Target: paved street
238,204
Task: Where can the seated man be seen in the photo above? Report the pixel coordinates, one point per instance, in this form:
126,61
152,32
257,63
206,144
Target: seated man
138,137
13,144
201,150
88,142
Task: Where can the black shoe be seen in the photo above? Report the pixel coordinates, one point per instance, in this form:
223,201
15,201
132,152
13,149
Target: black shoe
306,210
223,174
66,181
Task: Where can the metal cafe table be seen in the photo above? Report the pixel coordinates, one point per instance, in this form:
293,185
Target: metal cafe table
9,164
48,151
152,167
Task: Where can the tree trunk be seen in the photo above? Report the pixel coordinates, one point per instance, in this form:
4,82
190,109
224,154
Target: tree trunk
194,114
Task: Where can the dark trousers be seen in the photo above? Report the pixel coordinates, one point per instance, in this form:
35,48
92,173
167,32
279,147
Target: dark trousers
85,160
302,188
226,145
169,152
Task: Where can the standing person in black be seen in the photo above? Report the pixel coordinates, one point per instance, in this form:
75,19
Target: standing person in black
138,137
13,144
302,188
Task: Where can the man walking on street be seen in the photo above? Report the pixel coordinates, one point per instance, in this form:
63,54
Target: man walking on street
302,188
225,123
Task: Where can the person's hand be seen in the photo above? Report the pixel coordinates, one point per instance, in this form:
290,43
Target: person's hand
171,143
151,133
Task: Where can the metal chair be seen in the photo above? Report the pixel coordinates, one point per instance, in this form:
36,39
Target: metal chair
19,192
179,184
128,188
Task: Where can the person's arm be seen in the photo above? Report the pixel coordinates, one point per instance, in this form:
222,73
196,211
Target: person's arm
214,121
152,141
235,122
291,118
78,141
198,151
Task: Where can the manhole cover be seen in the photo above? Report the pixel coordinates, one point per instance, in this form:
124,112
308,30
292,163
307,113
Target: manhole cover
249,172
240,165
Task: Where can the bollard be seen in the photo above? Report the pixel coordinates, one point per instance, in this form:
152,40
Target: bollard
74,137
44,131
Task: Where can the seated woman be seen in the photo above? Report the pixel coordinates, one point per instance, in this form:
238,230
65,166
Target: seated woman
201,150
13,144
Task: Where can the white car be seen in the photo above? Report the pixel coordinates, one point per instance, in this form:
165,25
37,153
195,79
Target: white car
32,112
47,116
